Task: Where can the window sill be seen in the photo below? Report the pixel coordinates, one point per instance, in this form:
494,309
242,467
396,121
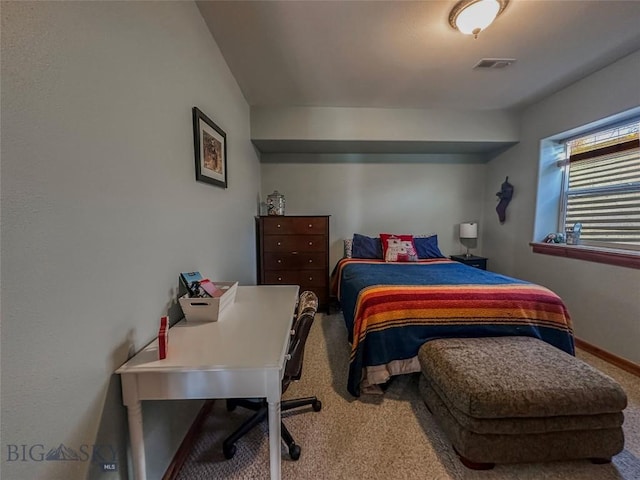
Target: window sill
621,258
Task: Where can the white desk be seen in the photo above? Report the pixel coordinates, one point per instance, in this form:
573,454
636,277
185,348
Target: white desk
242,355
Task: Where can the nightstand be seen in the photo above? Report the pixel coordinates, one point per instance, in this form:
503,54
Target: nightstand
472,261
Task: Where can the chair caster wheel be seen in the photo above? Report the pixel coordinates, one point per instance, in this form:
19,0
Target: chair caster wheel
317,406
294,452
229,451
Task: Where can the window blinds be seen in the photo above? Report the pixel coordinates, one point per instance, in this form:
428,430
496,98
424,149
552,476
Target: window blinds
603,190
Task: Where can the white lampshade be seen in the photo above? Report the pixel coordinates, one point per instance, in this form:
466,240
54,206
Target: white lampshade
469,230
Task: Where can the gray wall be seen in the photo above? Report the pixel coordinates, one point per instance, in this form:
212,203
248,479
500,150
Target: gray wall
379,124
604,300
387,197
101,211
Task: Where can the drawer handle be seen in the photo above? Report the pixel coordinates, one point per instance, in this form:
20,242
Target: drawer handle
294,253
311,225
278,226
310,261
279,279
279,261
279,243
310,243
310,278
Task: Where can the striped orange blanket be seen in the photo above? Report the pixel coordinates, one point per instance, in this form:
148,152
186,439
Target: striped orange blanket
391,309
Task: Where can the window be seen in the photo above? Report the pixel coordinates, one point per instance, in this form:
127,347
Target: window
601,188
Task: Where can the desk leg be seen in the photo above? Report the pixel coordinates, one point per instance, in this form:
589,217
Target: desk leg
275,439
137,440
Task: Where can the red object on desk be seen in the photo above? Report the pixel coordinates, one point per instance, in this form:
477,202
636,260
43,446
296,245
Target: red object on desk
163,338
211,288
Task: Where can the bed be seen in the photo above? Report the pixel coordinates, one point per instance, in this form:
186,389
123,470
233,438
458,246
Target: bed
392,308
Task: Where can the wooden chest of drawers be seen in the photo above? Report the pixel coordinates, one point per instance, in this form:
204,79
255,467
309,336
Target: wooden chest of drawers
294,250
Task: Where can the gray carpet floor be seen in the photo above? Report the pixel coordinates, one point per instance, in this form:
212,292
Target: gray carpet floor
390,436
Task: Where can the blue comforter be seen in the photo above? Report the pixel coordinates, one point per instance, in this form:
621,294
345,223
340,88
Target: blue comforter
391,309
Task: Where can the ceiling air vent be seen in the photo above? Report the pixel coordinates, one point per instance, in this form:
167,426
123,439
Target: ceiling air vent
494,62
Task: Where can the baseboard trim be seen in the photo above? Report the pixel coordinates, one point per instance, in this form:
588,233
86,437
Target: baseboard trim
619,362
187,443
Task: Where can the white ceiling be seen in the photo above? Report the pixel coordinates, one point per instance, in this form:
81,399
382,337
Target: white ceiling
404,54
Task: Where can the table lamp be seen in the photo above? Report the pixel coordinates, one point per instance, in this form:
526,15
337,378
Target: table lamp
469,236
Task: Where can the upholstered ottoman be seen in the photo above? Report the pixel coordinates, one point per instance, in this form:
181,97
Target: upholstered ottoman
518,399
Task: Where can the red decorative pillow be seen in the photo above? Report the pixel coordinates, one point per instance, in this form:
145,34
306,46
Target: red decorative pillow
398,248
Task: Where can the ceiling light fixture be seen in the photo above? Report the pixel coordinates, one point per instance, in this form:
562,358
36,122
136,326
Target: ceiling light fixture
473,16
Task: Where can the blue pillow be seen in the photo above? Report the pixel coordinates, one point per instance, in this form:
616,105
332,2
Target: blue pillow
366,247
427,247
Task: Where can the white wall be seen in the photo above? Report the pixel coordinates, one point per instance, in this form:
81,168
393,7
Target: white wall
374,198
101,211
603,299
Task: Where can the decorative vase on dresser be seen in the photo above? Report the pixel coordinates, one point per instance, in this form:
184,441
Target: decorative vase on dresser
294,250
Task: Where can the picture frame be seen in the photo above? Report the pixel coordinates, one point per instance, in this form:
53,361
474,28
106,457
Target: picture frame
210,148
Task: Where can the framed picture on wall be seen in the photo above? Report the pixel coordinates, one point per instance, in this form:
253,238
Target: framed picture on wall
210,146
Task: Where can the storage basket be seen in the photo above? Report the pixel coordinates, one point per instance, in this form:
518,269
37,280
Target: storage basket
209,309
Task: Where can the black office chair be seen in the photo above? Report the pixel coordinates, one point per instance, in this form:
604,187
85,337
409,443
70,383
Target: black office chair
306,311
